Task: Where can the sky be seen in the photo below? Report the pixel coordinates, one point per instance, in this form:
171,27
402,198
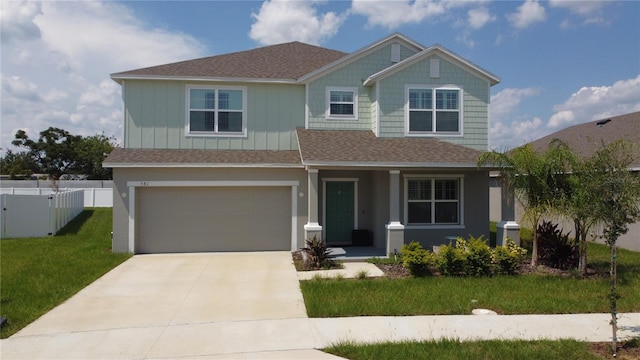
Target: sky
561,63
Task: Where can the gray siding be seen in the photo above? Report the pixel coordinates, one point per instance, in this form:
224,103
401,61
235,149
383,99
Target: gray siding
155,117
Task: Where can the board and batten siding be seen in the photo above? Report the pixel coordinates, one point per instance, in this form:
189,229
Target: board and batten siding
351,75
155,117
475,102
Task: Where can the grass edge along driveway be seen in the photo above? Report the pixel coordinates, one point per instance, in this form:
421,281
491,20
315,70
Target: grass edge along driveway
38,274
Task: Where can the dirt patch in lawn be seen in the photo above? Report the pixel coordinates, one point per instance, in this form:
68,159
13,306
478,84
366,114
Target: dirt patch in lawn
627,350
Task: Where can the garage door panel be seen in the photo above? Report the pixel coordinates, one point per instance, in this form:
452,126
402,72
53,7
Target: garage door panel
213,219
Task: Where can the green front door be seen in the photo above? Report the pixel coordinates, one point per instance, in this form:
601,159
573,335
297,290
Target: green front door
339,212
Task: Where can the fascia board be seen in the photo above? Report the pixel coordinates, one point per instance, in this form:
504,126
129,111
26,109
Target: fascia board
199,165
359,54
389,164
118,78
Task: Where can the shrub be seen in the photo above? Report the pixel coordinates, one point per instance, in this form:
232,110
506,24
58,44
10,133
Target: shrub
556,249
451,260
416,258
479,259
317,254
507,258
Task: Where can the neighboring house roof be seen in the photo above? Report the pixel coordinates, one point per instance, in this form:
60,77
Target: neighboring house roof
435,49
363,148
585,138
284,62
201,158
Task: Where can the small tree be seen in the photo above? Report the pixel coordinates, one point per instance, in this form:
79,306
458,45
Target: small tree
18,164
616,203
535,178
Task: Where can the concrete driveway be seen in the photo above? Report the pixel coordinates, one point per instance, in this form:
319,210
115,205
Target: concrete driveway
206,305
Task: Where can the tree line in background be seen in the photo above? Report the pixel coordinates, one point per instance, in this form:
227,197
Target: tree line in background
58,154
595,191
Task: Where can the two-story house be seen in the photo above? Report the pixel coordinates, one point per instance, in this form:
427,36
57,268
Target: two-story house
262,149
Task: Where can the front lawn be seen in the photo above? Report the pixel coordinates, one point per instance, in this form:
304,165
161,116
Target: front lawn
524,294
489,350
39,273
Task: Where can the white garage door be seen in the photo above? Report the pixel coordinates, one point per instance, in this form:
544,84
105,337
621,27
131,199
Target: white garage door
213,219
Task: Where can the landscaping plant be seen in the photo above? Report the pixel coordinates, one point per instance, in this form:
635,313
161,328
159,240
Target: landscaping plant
451,259
556,249
479,259
317,254
506,259
416,258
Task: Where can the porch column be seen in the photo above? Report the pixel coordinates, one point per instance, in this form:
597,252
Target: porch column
312,228
395,229
508,227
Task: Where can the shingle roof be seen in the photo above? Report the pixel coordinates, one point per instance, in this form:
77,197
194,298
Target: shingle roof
287,61
357,147
200,158
585,138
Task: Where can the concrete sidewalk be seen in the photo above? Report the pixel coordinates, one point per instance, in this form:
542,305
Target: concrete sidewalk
247,306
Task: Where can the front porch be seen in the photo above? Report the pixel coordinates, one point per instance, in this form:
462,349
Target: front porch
356,253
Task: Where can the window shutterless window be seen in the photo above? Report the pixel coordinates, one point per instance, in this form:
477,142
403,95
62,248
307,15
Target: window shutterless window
216,110
433,110
342,103
433,201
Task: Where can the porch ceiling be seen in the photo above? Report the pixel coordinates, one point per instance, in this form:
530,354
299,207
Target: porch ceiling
363,148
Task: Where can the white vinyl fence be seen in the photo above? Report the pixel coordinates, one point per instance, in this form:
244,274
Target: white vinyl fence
93,197
39,215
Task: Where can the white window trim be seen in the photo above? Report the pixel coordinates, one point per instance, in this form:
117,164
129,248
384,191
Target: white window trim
187,106
327,114
324,202
433,133
458,177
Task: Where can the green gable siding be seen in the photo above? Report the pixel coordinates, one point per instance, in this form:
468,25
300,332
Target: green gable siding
155,117
475,101
351,75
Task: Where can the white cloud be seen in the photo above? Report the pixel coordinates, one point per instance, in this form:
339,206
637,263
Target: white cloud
391,14
527,14
284,21
16,21
597,102
507,128
584,8
479,17
508,100
57,57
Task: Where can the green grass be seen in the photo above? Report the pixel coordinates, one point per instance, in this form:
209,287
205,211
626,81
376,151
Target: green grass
454,350
525,294
39,273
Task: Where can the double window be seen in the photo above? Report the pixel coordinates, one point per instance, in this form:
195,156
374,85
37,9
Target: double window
433,110
216,110
433,201
342,103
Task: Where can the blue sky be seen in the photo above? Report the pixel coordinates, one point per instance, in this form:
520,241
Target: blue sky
561,62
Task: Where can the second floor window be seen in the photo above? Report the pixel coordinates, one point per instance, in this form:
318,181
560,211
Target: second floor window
342,103
433,110
214,110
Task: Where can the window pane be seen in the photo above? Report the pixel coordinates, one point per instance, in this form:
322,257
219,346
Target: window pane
447,121
341,96
341,109
446,212
230,99
420,121
419,212
447,99
201,120
419,190
446,189
229,121
202,99
420,99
